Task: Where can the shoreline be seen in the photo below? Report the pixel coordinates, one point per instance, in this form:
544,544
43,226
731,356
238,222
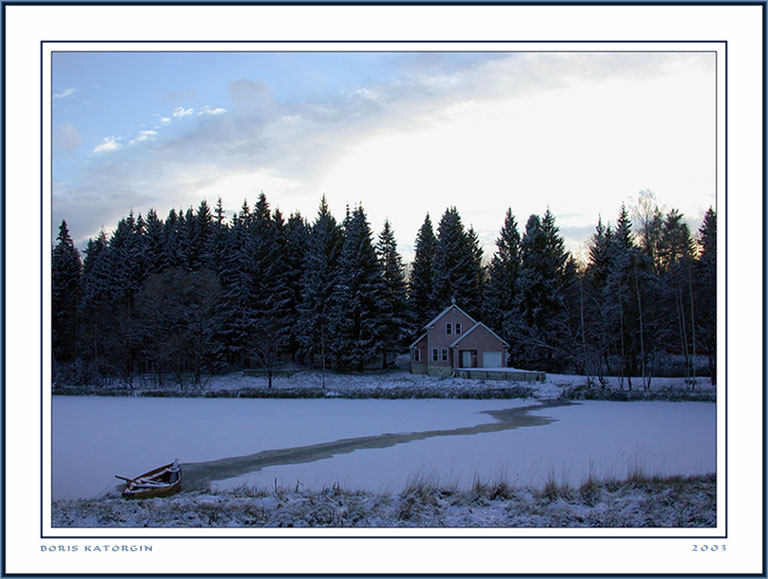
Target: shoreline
638,501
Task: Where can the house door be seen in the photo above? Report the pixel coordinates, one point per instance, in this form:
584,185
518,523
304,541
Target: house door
491,359
468,358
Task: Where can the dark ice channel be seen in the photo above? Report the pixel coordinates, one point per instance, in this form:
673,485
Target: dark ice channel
200,475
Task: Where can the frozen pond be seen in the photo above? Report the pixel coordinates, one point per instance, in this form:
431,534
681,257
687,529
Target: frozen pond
378,445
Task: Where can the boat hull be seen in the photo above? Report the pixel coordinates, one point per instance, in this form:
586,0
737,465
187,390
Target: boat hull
159,482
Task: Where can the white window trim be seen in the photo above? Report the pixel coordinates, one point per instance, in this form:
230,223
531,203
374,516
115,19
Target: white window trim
417,355
458,328
448,328
435,355
443,354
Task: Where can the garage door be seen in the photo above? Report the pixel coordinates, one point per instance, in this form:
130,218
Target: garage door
491,359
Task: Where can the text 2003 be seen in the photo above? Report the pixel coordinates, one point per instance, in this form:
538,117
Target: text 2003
702,548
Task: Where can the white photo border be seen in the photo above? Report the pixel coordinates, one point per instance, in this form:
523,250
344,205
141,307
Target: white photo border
488,551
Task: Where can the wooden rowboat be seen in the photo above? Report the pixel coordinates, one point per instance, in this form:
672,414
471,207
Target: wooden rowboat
161,482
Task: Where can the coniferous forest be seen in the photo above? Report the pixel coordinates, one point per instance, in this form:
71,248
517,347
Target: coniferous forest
199,293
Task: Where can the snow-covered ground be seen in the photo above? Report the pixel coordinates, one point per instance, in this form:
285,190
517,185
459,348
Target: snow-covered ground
676,502
400,382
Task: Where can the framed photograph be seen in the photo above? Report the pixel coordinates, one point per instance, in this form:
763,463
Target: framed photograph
407,289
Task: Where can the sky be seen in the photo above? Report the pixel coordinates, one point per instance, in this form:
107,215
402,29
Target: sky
405,134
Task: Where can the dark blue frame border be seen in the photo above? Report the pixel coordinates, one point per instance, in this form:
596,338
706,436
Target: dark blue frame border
394,44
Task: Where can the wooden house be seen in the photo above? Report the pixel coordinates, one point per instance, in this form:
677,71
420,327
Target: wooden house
454,340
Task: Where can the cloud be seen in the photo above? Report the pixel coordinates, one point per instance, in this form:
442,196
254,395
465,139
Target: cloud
64,93
206,110
180,112
480,134
251,98
108,145
66,140
146,135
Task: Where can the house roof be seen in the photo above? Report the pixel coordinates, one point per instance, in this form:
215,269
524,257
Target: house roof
455,343
419,339
445,311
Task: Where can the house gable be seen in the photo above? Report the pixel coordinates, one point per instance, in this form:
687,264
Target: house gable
452,309
483,332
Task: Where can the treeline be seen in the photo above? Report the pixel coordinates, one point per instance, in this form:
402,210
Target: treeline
198,293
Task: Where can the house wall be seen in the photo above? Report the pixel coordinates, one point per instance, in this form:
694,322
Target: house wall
440,371
483,341
438,338
419,367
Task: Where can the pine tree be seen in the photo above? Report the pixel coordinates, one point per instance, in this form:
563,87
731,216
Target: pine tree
420,281
66,269
394,305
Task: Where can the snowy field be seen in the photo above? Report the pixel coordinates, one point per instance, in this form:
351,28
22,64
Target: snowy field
377,445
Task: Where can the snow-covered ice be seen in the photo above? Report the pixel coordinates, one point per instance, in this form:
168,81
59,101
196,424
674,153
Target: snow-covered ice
97,437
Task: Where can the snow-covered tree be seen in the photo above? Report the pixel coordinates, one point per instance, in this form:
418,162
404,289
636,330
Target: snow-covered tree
502,293
420,280
358,296
545,274
318,282
66,269
705,290
396,324
457,270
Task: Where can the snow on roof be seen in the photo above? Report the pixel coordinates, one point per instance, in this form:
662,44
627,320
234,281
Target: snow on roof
445,311
455,343
417,341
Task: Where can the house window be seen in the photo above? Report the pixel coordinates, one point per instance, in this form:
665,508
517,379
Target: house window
444,355
448,327
434,355
458,327
417,355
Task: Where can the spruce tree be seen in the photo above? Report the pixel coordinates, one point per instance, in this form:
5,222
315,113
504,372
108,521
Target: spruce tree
297,235
420,280
502,299
95,305
318,283
394,305
356,316
456,269
236,278
705,290
676,250
155,256
544,277
66,269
